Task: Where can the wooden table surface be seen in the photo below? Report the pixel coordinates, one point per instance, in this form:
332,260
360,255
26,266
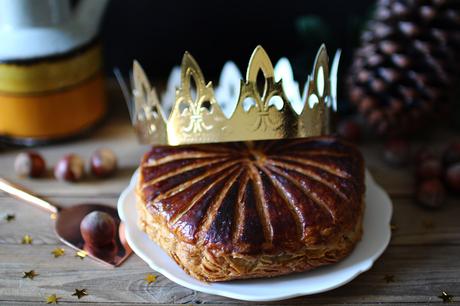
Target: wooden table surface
423,256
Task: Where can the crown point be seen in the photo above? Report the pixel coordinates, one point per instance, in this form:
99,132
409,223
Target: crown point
189,67
322,50
259,49
136,65
321,54
187,58
139,77
186,54
259,61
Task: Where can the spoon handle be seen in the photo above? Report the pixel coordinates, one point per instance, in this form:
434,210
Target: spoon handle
21,193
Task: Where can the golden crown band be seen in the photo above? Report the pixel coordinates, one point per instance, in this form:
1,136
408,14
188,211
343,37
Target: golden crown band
196,116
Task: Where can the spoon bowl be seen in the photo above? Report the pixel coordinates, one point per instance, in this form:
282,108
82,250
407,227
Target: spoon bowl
67,224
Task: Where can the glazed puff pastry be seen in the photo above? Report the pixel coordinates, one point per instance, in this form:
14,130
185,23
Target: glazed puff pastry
259,209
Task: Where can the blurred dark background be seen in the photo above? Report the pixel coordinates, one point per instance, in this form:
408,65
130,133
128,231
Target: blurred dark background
158,32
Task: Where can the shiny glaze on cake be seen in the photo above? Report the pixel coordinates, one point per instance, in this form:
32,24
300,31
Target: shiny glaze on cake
262,197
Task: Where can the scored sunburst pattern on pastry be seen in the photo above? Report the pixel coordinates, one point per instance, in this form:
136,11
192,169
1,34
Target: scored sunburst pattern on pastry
256,196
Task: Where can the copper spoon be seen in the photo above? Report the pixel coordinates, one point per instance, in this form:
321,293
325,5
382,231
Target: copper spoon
68,220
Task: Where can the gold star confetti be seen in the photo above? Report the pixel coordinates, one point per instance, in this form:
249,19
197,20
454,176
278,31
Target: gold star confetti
81,254
150,278
58,252
428,224
29,274
79,293
389,278
393,227
446,298
52,299
53,216
26,239
10,217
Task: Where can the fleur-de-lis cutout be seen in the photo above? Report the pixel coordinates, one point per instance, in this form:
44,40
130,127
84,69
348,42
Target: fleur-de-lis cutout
272,96
148,115
195,108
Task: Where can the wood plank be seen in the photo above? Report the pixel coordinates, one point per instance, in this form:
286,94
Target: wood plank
397,181
421,273
423,261
419,226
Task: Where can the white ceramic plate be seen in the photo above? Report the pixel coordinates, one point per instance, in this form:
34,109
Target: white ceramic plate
375,239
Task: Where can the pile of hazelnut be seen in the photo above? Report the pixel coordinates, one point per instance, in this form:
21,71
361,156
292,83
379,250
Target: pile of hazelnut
435,175
70,168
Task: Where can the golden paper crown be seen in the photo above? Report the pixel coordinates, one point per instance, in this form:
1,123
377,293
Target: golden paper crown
197,117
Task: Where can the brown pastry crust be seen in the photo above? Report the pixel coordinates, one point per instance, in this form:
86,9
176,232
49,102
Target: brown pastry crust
238,210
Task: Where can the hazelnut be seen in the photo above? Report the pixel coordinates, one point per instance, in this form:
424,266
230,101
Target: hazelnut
349,130
29,164
451,154
431,193
99,230
429,168
103,163
70,168
453,177
396,152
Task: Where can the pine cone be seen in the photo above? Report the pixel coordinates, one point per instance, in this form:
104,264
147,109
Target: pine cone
408,61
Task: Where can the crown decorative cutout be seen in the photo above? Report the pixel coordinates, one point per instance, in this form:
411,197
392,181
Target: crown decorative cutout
241,111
